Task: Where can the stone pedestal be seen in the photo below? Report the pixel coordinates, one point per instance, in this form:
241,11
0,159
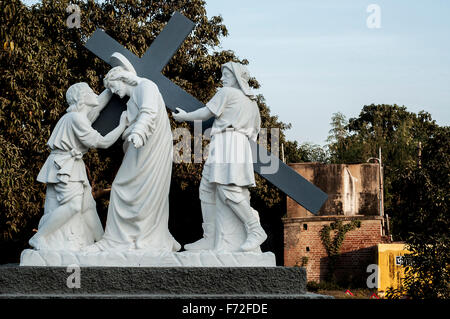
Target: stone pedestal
154,283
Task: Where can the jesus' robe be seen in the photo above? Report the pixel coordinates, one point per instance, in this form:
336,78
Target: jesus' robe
138,211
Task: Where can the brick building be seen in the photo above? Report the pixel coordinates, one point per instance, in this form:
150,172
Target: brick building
354,194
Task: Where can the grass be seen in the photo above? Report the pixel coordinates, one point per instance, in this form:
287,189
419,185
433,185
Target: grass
358,293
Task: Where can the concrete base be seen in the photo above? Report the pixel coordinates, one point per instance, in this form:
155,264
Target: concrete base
154,283
30,257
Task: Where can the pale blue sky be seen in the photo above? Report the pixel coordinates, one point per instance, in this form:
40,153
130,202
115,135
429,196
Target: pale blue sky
317,57
314,58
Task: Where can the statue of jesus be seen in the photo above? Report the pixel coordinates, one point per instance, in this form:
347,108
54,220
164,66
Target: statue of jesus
138,211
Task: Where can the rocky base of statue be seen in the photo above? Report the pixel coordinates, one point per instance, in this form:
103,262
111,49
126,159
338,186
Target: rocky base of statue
136,258
154,283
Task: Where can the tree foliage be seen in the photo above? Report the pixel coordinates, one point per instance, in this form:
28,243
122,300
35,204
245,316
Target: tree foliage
422,206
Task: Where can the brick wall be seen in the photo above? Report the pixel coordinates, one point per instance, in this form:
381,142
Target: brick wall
302,239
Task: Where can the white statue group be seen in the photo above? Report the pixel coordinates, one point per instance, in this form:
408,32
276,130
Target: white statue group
138,211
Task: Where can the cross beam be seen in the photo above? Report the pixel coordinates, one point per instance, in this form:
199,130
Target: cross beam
151,65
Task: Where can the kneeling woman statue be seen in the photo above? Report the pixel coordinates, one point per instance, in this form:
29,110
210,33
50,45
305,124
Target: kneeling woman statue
70,220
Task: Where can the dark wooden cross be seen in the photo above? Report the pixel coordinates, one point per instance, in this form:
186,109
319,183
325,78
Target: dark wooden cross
151,65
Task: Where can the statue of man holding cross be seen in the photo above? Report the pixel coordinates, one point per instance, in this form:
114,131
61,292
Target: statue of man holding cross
228,171
138,210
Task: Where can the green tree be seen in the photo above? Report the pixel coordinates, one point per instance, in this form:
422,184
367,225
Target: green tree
338,138
422,207
304,152
48,57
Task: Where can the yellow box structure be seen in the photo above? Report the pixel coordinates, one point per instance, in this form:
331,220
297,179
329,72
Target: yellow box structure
391,266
